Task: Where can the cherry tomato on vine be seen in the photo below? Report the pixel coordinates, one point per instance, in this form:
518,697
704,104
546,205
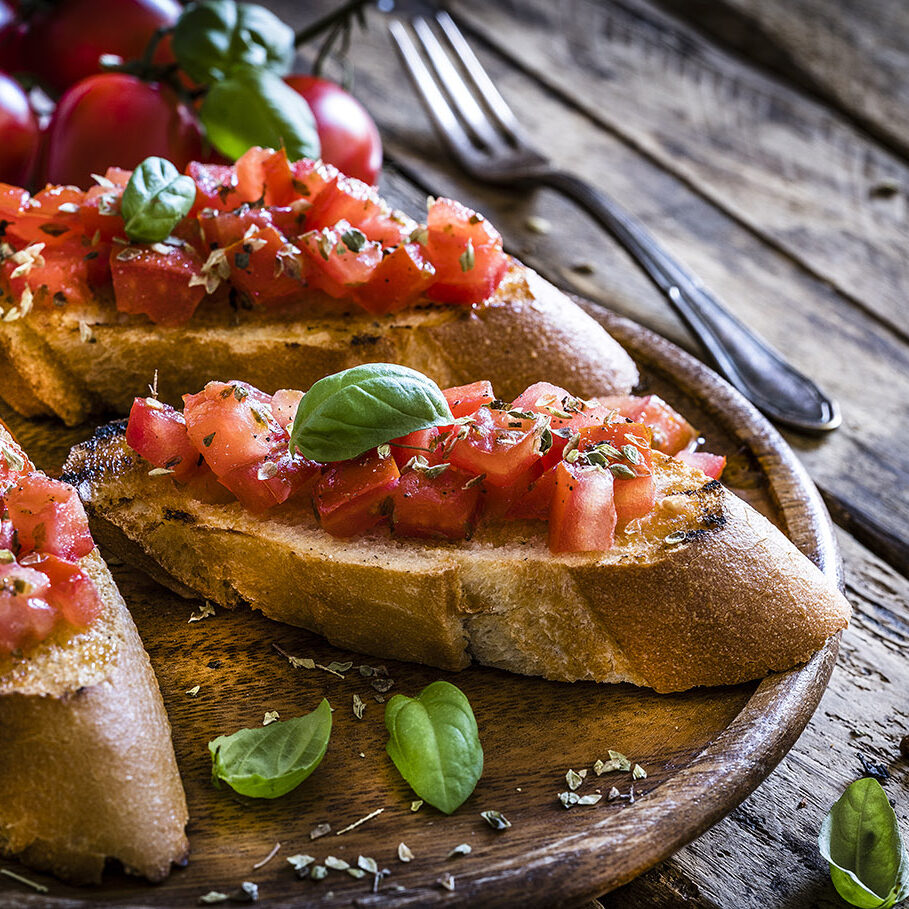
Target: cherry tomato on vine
66,40
349,137
117,120
19,132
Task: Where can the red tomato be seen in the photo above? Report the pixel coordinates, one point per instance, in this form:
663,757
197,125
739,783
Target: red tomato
72,592
26,618
156,283
671,431
216,186
19,129
116,119
7,534
537,503
422,443
265,174
353,201
271,481
13,465
334,267
349,137
158,432
284,404
583,517
66,41
711,464
465,400
436,507
257,270
13,37
49,517
401,278
466,251
351,495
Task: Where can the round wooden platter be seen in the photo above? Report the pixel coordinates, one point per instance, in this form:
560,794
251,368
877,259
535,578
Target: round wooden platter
704,751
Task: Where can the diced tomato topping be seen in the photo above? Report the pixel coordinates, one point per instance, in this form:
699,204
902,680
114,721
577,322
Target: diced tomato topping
49,517
711,464
157,284
311,177
671,431
216,186
466,400
270,482
337,267
357,203
14,464
12,200
583,515
442,506
536,504
26,618
158,433
351,495
466,251
257,269
71,591
60,268
263,174
401,278
224,228
284,404
7,534
420,443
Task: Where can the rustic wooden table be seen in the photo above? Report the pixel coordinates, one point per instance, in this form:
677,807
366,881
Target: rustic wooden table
765,142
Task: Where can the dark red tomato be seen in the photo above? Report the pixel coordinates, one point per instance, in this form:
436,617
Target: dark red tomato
353,201
158,433
466,252
13,38
349,137
66,41
504,448
671,431
537,503
26,618
284,404
116,119
400,279
334,267
464,400
72,592
351,495
438,507
156,283
711,464
49,517
271,481
19,129
583,517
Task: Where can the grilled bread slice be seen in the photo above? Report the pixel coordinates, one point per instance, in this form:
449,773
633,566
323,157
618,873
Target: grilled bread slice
87,767
74,361
702,591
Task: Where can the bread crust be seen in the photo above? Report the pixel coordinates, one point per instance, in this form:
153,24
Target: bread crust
732,601
527,332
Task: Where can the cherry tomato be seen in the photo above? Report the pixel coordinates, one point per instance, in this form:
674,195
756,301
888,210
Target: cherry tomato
19,130
66,41
12,39
115,119
349,137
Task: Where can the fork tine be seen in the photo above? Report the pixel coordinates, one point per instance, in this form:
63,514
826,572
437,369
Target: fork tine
437,106
454,85
497,105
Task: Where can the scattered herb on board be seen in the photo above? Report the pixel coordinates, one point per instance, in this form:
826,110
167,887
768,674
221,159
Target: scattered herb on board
362,820
271,760
460,849
435,744
404,853
495,819
320,830
860,839
205,610
39,888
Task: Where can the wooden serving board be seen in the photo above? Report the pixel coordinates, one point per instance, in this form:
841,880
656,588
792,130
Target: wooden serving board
703,750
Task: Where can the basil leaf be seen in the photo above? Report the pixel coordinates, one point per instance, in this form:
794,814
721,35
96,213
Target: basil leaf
860,838
434,743
212,37
155,199
269,761
348,413
256,107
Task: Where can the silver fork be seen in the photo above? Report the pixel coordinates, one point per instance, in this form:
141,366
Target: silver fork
483,134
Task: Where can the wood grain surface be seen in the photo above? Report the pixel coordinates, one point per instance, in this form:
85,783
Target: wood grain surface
703,750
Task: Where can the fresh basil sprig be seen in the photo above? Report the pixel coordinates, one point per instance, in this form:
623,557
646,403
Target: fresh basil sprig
435,744
155,199
269,761
212,37
860,838
348,413
255,107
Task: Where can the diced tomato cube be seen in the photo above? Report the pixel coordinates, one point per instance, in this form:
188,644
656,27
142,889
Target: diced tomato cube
466,400
711,464
351,495
348,199
270,482
61,269
466,251
537,503
100,211
265,174
311,177
72,592
583,516
25,616
14,464
671,431
49,517
422,443
7,535
257,270
443,506
400,279
284,404
158,433
157,284
336,267
222,228
216,186
12,200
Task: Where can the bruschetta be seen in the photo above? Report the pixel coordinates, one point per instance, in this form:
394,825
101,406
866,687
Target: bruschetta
87,767
280,273
546,535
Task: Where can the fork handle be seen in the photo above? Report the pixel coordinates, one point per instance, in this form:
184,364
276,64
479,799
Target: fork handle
747,361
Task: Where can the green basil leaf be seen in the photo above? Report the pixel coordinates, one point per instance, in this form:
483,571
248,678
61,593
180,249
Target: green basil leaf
269,761
256,107
155,199
348,413
860,838
434,743
212,37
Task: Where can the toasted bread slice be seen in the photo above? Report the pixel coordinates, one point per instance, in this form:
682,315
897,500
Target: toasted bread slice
74,361
724,599
87,767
